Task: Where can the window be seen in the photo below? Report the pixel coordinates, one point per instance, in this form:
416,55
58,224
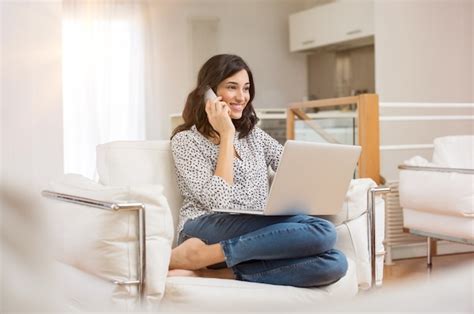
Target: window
103,82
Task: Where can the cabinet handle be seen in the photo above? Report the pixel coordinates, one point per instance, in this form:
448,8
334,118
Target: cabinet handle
356,31
307,42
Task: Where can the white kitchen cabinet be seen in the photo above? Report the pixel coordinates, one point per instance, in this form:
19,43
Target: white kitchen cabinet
338,22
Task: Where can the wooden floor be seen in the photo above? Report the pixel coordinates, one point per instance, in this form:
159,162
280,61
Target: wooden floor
408,286
415,268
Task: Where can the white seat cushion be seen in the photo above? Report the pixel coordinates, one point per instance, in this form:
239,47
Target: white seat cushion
207,294
437,224
204,294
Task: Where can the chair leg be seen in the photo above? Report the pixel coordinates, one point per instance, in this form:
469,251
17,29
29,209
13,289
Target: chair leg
431,250
428,252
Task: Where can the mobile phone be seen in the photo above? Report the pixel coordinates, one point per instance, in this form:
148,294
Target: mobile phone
209,95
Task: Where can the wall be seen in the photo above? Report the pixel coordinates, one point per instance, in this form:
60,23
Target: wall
419,60
255,30
424,69
424,50
31,114
423,57
423,75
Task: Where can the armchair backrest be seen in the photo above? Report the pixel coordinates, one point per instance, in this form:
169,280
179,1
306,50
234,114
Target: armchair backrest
132,163
454,151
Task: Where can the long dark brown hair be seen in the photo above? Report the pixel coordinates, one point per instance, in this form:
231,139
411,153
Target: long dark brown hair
213,72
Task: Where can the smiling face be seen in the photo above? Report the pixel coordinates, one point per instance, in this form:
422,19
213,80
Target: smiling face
235,91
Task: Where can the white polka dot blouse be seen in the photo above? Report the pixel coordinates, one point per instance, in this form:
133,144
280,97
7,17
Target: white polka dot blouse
195,159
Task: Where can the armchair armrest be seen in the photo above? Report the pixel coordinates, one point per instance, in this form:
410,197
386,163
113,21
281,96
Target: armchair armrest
436,169
361,231
98,231
128,206
371,228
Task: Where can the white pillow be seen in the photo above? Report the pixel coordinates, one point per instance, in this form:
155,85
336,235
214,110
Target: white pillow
104,243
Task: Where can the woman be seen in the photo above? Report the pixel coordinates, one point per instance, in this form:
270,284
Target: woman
221,161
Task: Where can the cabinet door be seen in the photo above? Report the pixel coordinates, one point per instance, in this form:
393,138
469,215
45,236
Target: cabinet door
301,31
331,23
323,24
356,19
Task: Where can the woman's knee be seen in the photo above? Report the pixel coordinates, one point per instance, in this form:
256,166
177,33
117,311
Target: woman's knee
325,230
323,270
316,221
332,267
337,266
329,228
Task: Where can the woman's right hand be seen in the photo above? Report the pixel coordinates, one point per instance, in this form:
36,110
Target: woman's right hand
219,118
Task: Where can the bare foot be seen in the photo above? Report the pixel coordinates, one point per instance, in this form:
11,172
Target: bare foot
186,255
224,273
194,254
182,273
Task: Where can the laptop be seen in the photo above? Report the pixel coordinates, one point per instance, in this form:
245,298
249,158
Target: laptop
312,178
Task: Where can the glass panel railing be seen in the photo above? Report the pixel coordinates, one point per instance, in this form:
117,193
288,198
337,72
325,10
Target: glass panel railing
346,120
330,127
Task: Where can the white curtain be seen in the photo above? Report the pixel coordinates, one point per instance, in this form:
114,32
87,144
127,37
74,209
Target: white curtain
104,76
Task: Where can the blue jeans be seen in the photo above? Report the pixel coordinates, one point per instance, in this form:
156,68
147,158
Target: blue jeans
282,250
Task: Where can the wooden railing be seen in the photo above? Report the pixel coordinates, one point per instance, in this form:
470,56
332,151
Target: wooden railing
367,108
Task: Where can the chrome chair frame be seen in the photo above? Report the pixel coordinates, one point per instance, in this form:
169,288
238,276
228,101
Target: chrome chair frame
430,236
116,207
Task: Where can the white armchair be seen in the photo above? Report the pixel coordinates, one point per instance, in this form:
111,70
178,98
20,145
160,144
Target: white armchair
123,255
438,197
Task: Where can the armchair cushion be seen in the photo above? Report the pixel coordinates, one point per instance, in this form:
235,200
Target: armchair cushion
104,243
191,294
